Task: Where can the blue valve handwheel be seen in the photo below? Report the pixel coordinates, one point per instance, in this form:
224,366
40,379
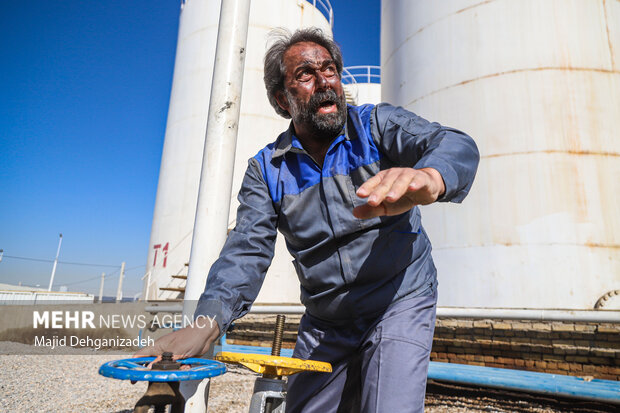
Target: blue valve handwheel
135,369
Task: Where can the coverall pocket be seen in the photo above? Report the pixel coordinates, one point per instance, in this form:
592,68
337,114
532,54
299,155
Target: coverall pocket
357,201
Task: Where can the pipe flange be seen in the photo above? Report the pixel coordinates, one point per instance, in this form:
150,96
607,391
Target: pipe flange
605,299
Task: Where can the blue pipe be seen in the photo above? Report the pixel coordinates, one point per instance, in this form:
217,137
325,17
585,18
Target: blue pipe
236,348
607,391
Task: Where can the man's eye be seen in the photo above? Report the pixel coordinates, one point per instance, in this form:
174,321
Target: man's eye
330,71
303,76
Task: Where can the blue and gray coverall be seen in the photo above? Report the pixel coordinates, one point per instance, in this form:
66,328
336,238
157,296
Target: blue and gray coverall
369,286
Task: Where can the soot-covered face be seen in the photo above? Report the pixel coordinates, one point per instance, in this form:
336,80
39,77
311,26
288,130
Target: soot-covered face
313,94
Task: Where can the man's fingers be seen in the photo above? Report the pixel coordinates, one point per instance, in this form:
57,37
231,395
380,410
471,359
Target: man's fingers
426,186
419,180
377,196
400,186
397,190
182,343
369,186
157,349
367,211
147,351
150,365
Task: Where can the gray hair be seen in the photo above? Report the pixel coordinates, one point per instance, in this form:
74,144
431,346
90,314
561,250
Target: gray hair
275,71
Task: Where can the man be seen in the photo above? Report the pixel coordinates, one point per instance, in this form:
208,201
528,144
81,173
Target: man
342,184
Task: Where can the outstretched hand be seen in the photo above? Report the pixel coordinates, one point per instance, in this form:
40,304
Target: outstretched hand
190,341
397,190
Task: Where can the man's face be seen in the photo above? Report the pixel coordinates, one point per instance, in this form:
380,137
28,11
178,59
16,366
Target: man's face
313,94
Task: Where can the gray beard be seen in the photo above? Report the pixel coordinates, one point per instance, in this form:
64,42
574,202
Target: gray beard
324,126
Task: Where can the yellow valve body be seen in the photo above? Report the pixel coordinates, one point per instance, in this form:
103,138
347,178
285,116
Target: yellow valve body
273,365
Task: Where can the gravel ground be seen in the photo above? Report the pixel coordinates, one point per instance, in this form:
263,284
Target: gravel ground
70,383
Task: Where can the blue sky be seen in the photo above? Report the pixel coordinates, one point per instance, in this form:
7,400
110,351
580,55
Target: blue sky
83,105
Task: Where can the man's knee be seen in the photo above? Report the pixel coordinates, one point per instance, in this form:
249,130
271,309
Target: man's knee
394,377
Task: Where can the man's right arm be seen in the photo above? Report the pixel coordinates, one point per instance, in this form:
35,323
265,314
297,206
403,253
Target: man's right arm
236,277
238,274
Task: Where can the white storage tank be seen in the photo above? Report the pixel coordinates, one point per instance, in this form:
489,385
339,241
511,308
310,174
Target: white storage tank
537,84
177,191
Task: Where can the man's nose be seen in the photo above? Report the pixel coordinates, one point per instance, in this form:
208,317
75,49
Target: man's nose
321,81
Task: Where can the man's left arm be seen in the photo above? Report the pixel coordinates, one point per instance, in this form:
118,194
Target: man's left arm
436,163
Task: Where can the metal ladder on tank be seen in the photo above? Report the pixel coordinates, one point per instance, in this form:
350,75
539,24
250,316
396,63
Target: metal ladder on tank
179,289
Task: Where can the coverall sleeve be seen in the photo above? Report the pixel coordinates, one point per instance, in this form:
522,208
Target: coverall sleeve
236,277
409,140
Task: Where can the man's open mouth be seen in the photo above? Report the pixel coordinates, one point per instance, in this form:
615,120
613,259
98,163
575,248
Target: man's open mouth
328,106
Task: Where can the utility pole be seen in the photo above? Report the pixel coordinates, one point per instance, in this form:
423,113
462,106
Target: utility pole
101,288
55,264
119,292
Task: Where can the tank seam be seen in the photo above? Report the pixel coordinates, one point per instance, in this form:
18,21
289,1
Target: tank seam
432,23
510,72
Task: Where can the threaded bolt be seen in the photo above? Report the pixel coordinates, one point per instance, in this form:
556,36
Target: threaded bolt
277,337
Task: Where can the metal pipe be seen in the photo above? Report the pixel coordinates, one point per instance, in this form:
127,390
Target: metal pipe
210,227
277,309
55,263
584,316
607,391
218,160
592,316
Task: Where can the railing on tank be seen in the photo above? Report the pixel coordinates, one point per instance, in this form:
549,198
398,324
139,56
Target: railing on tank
324,6
361,74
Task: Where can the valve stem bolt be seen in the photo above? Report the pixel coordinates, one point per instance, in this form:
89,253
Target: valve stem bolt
277,337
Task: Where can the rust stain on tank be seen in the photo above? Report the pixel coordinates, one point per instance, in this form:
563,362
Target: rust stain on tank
597,245
553,151
611,47
580,195
538,244
302,8
472,6
534,69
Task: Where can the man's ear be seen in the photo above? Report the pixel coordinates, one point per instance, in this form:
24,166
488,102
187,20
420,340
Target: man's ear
282,100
